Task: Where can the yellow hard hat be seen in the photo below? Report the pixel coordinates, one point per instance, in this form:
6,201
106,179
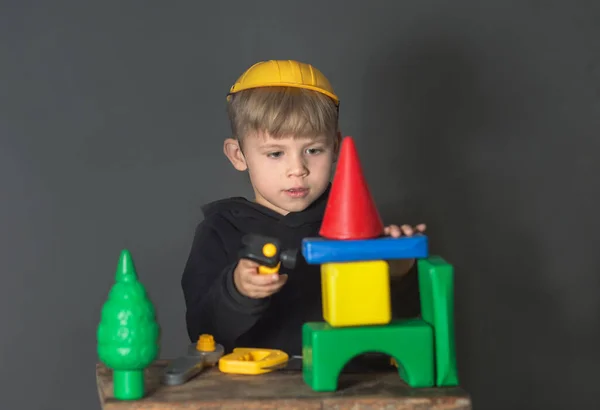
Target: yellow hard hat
286,73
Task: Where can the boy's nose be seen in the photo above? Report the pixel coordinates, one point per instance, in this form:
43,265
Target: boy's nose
297,168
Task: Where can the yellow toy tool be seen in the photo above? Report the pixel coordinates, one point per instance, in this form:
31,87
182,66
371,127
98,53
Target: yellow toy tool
245,360
266,251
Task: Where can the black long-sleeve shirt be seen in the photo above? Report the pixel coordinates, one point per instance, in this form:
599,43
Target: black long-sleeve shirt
215,306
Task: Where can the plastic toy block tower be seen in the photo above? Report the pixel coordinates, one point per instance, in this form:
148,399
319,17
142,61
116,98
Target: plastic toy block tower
355,284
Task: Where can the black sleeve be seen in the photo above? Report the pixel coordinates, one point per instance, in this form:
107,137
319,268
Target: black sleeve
213,304
406,301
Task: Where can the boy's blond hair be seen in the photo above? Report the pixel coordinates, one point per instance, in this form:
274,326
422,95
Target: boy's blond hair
281,112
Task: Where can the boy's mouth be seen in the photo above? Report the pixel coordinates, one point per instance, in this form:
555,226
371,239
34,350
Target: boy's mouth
297,192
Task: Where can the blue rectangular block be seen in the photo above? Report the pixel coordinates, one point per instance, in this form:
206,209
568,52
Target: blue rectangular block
321,250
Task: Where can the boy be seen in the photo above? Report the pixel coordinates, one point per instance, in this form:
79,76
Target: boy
284,119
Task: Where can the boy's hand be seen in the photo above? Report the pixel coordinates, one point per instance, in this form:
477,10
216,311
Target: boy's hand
396,231
254,285
400,267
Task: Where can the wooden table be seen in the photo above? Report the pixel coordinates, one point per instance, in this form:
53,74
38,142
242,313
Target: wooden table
280,390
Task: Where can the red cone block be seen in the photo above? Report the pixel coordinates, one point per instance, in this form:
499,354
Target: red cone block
350,212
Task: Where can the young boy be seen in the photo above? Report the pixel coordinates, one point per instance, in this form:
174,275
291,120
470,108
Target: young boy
284,120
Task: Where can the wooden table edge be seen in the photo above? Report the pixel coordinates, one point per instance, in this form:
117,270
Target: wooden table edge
460,401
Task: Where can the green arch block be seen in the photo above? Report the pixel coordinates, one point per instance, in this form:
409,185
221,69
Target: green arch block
327,349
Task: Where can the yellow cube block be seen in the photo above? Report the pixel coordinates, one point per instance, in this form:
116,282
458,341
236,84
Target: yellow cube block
356,293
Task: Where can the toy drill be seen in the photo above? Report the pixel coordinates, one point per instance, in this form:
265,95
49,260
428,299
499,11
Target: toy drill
266,251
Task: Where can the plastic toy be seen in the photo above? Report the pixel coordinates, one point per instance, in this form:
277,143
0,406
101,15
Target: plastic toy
350,212
356,293
319,250
128,335
267,252
436,285
350,300
409,342
289,73
252,361
205,353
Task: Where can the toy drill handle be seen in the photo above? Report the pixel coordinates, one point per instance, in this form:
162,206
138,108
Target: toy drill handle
266,251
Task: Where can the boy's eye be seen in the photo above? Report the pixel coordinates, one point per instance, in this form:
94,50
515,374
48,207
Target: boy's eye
276,154
313,151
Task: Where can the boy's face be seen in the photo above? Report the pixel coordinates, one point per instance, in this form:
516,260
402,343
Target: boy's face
287,174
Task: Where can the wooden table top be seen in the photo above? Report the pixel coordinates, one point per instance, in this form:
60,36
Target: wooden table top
285,389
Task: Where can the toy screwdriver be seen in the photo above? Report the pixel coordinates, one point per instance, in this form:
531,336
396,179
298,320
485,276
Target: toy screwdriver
266,251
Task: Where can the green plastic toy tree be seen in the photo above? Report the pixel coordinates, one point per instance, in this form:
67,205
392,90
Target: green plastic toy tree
128,334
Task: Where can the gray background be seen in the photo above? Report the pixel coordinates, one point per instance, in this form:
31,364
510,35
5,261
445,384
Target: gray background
480,118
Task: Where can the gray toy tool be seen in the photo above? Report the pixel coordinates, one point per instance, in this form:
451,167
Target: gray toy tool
200,355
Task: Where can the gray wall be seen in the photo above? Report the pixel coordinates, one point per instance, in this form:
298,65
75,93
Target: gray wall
481,118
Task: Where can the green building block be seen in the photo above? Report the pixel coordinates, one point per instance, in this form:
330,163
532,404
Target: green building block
327,349
436,286
128,333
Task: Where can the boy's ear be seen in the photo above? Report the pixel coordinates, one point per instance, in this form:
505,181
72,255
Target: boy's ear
233,152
